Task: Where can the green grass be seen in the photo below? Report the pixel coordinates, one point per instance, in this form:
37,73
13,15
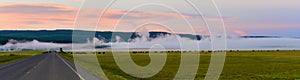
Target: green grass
243,65
7,57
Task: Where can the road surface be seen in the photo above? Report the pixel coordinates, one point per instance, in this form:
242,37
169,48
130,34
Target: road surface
43,67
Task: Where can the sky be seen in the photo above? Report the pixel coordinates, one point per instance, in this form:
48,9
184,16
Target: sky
241,17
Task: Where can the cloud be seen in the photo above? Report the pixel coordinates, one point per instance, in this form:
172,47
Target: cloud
54,16
19,15
74,0
240,33
24,14
18,8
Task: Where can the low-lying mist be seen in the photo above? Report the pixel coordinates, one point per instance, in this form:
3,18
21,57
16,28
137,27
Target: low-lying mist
169,41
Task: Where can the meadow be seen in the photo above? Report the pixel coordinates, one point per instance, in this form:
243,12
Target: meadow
7,57
239,65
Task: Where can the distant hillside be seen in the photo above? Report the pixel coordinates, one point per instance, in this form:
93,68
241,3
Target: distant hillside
65,36
260,36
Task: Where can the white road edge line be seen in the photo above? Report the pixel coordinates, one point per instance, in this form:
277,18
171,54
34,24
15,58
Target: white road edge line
70,67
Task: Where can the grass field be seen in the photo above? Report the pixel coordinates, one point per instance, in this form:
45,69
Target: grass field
7,57
242,65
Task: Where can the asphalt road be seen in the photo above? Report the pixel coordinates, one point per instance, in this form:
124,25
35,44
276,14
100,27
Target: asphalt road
43,67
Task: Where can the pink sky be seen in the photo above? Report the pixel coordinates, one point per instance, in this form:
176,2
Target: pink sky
38,16
33,16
